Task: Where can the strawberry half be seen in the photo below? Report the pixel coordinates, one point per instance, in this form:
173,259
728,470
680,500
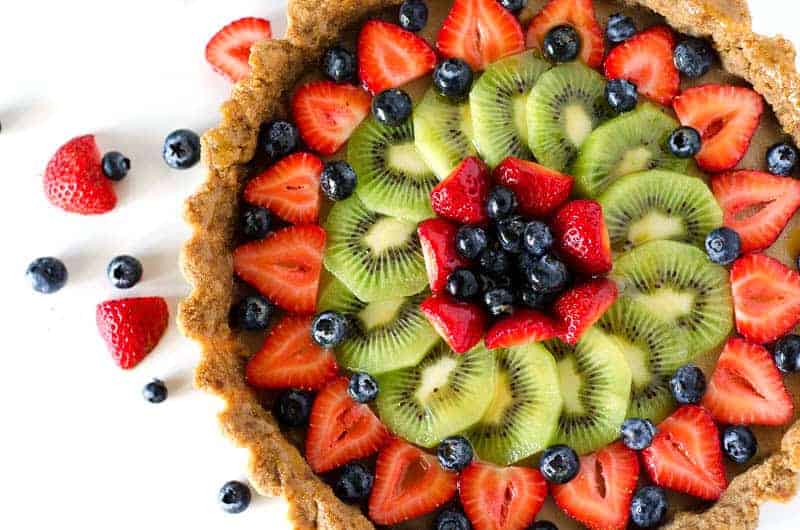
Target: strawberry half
726,118
408,483
600,495
438,240
580,307
327,113
228,51
461,324
646,60
501,498
285,266
74,180
390,57
290,359
341,430
480,32
539,190
576,13
290,188
685,455
581,236
462,195
766,298
523,327
747,388
132,327
757,205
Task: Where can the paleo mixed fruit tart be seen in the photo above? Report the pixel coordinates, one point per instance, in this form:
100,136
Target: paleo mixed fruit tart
505,264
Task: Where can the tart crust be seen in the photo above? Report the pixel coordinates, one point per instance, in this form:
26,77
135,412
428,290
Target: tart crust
276,467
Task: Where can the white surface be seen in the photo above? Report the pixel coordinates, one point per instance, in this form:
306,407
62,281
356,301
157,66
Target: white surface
79,445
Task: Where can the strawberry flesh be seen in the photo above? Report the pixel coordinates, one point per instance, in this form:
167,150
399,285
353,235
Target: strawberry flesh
523,327
438,240
581,236
539,190
390,57
74,180
132,327
576,13
228,51
580,307
290,188
461,324
462,195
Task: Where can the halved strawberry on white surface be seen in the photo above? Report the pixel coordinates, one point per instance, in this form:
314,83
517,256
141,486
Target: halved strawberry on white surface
228,51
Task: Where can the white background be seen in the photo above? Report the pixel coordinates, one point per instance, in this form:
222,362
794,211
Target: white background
79,446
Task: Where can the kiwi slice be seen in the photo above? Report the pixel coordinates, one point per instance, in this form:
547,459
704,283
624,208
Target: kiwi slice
498,102
393,179
444,394
659,205
443,133
678,284
376,256
632,142
523,414
388,335
653,349
567,103
595,383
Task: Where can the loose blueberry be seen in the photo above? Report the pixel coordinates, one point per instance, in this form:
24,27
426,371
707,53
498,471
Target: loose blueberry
739,443
454,453
621,95
363,388
693,57
538,238
723,245
124,272
637,433
452,519
115,165
234,497
181,149
688,385
329,329
495,261
782,159
155,391
787,354
413,15
534,299
514,6
547,274
620,28
499,301
542,525
354,483
462,284
648,507
562,44
338,180
253,313
684,142
559,464
452,78
392,107
47,275
471,241
277,139
293,407
501,202
339,64
255,222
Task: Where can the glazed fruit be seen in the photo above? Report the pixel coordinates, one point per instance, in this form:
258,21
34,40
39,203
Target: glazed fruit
537,238
354,483
539,190
124,272
132,327
390,57
471,240
621,95
253,313
462,285
723,245
289,189
580,16
460,324
254,222
115,165
47,275
581,237
693,57
438,240
787,354
580,307
523,327
181,149
462,195
391,107
782,159
74,180
688,385
452,519
499,301
684,142
637,433
739,444
649,507
559,464
413,15
293,407
277,139
453,78
454,453
338,180
501,203
228,50
234,497
329,329
339,64
619,28
363,388
561,44
155,391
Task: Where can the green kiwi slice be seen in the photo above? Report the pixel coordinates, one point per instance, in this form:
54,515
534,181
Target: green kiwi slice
566,104
444,394
443,132
632,142
678,284
659,205
393,179
595,384
523,414
498,102
376,256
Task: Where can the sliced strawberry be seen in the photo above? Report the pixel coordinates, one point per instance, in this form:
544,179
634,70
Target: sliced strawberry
685,455
757,205
74,179
290,359
646,60
390,57
408,483
228,51
290,188
576,13
285,267
539,190
580,307
523,327
501,498
581,236
132,327
327,113
462,195
480,32
341,430
461,324
438,240
747,388
600,496
726,118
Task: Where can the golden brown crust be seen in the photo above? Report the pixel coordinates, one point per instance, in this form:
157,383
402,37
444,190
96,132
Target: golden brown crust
276,466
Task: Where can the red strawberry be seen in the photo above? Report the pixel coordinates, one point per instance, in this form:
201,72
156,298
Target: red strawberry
290,188
757,205
132,327
523,327
766,298
290,359
646,60
327,113
726,118
600,496
579,308
341,430
461,324
581,236
480,32
539,190
390,57
747,388
501,498
74,179
685,455
285,267
408,483
438,240
580,15
228,51
462,195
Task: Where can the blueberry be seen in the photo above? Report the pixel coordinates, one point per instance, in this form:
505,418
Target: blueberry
534,299
495,261
413,15
648,507
547,274
621,95
181,149
723,245
254,221
155,391
501,202
339,64
462,284
787,354
471,241
559,464
124,272
499,301
115,165
739,443
693,57
684,142
454,453
637,434
487,282
392,107
782,159
47,275
542,525
562,44
363,388
514,6
688,385
329,329
620,28
277,139
338,180
293,407
537,238
354,483
452,519
253,313
509,233
452,78
234,497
